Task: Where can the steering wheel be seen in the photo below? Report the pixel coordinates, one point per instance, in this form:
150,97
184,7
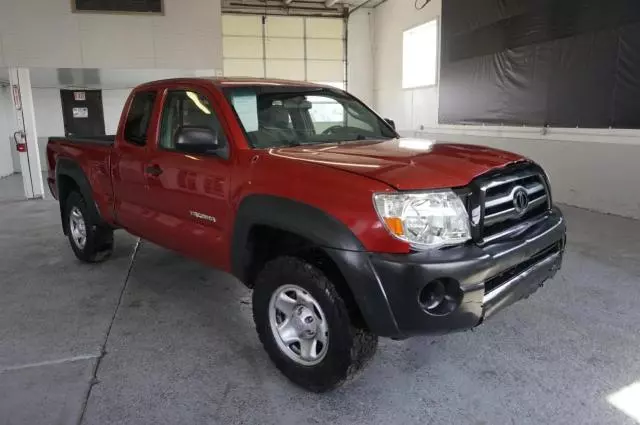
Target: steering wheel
334,129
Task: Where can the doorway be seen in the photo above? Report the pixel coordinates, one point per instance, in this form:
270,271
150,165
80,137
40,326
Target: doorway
82,112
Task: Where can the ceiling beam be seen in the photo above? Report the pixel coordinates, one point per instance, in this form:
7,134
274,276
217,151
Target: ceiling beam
284,7
327,3
366,3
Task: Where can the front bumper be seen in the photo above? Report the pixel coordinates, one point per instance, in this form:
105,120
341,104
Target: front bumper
490,278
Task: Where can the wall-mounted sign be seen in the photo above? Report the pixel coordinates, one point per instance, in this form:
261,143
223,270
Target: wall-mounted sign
117,6
80,112
17,100
79,96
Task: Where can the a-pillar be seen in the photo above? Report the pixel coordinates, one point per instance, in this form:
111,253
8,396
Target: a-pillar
25,132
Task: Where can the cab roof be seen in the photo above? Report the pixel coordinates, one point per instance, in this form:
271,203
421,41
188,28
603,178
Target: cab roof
235,82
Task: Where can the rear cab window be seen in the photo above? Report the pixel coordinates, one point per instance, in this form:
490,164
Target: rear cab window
136,126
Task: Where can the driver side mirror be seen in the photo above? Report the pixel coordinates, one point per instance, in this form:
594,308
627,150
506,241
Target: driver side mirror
391,123
193,139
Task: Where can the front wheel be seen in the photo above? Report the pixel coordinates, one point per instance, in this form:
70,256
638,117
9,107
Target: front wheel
305,326
91,242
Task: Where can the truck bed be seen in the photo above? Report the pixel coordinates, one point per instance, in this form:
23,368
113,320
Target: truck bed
91,156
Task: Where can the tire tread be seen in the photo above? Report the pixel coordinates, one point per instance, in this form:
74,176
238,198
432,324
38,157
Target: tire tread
362,342
99,243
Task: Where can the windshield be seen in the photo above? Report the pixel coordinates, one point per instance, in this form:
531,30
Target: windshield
277,116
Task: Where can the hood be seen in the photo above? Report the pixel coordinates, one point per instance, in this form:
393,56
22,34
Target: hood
405,164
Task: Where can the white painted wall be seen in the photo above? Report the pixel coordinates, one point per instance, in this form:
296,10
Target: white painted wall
595,169
6,129
48,108
49,121
116,84
409,108
594,175
112,104
37,33
360,68
45,35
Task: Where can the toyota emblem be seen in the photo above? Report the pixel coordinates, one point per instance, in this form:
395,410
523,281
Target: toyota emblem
520,200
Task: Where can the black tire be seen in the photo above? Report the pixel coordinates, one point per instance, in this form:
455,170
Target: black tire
99,237
349,347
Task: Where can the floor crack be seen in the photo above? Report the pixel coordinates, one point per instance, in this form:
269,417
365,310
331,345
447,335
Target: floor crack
103,349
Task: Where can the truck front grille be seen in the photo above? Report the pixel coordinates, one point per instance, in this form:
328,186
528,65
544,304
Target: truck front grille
499,208
504,276
499,200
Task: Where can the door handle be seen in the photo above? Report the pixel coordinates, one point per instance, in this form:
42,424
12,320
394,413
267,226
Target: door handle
154,170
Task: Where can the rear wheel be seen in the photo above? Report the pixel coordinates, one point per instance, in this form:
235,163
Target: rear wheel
305,326
91,242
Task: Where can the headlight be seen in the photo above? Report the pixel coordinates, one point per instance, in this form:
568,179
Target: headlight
425,220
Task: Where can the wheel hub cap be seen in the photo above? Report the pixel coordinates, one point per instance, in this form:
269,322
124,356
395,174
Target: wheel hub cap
77,227
299,325
304,322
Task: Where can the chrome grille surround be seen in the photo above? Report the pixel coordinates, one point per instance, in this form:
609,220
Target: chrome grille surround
490,201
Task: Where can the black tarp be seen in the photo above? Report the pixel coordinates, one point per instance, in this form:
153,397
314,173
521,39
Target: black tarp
563,63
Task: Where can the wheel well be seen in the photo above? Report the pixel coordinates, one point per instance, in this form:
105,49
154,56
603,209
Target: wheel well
266,243
65,185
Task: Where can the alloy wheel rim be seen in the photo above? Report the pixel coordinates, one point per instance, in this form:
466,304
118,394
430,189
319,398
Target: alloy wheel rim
77,227
299,325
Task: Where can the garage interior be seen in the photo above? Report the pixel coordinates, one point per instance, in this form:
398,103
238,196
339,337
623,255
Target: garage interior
163,339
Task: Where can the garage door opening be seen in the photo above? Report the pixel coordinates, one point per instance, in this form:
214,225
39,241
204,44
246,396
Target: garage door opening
287,47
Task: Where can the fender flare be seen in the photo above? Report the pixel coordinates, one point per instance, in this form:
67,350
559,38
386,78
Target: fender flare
71,169
292,216
328,234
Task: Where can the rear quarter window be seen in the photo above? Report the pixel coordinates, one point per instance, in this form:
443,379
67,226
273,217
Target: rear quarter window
137,124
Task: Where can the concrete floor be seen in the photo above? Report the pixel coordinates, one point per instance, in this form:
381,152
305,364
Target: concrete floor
11,188
181,347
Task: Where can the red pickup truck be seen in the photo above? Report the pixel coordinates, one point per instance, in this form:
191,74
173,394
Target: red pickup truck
345,231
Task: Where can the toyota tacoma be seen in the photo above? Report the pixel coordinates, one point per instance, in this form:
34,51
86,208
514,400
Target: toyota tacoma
344,230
